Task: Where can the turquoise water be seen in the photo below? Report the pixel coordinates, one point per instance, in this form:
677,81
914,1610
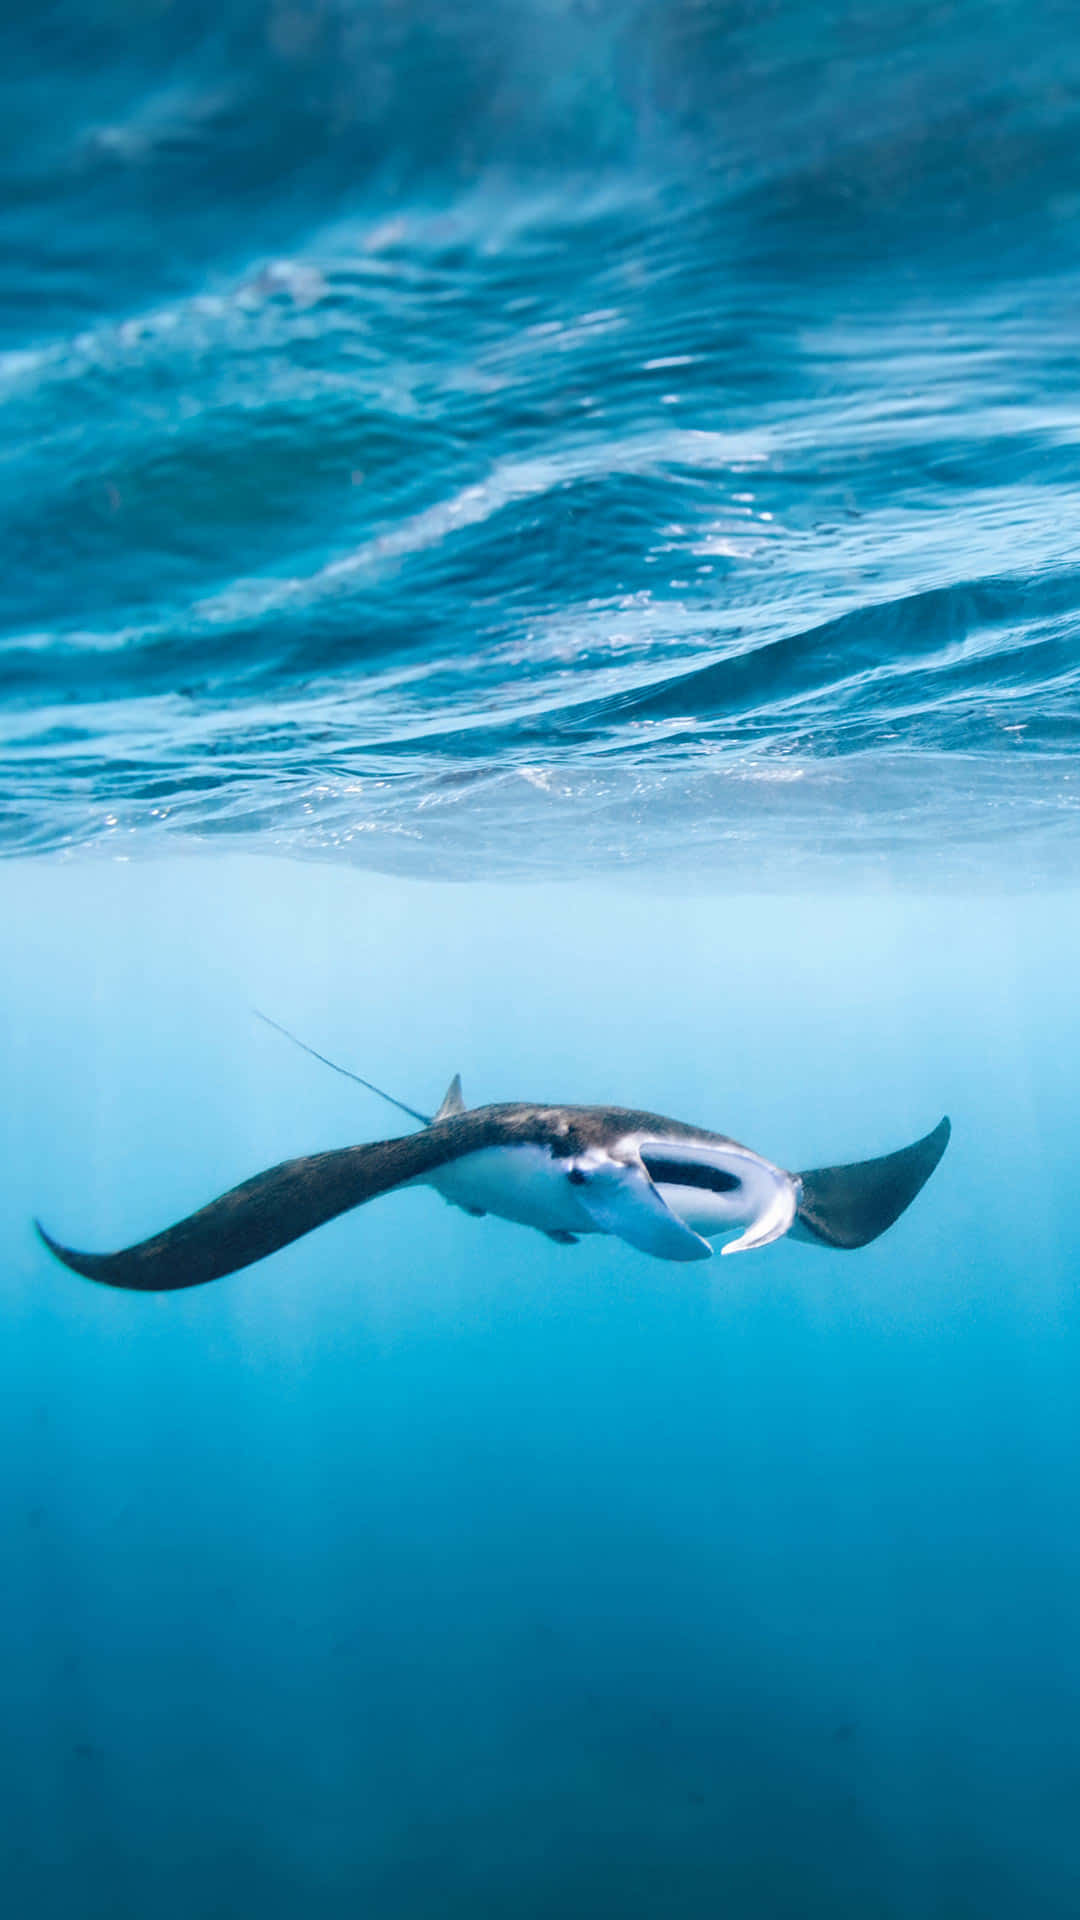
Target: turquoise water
540,542
432,1568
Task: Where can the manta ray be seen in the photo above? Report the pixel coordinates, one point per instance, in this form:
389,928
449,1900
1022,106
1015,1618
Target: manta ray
663,1186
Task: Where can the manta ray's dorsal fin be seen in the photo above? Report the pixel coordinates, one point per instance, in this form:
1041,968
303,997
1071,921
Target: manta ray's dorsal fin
453,1101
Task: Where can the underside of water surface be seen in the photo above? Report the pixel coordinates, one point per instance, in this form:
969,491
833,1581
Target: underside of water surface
592,435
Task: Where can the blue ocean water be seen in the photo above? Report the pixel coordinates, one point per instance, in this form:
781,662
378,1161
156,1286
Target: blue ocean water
540,541
431,1568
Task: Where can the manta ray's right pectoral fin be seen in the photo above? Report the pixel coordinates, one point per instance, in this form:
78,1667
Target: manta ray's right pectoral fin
850,1206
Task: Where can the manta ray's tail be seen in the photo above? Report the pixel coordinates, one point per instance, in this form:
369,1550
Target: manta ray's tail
850,1206
257,1218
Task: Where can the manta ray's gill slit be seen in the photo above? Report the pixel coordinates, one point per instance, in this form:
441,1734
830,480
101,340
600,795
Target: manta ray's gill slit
689,1173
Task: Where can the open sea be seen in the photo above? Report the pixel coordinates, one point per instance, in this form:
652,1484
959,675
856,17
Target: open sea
540,539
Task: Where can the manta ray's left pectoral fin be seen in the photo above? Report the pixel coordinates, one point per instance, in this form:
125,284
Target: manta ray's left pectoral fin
257,1217
621,1199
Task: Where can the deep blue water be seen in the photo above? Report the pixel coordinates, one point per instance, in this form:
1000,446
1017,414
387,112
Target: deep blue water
429,1568
565,514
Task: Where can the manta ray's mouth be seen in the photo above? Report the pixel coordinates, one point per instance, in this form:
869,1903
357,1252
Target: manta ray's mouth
668,1171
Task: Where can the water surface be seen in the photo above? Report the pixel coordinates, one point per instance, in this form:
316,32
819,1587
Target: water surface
595,433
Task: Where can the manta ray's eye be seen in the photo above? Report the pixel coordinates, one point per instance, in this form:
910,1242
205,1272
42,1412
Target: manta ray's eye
576,1177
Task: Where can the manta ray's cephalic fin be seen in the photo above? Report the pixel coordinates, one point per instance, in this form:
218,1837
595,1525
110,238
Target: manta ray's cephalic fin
621,1199
850,1206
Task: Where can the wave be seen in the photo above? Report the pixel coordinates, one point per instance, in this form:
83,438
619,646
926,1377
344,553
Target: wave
587,436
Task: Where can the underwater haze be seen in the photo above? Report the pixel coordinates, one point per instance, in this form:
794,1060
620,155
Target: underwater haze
429,1568
540,541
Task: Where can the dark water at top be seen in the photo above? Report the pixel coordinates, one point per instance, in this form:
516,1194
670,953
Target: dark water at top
511,439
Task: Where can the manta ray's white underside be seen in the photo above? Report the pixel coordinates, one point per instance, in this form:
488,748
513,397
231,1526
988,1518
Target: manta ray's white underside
610,1191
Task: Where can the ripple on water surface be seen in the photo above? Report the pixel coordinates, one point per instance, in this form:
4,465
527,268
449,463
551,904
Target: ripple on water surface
674,467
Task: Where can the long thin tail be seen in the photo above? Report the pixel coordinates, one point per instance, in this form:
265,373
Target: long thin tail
425,1119
850,1206
257,1218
